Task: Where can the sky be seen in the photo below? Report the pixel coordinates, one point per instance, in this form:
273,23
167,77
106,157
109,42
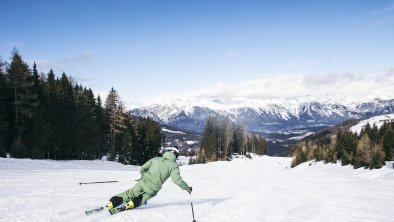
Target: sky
256,49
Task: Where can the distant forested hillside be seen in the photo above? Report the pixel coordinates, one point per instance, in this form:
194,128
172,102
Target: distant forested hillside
369,149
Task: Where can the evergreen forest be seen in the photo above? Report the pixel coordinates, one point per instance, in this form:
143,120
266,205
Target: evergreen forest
222,138
46,116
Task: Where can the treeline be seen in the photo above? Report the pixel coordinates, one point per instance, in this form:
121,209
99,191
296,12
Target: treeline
47,117
370,149
222,138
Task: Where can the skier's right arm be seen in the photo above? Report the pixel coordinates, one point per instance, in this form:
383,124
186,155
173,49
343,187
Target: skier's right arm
177,179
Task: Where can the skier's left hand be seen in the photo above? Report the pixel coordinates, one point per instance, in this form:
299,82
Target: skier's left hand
189,190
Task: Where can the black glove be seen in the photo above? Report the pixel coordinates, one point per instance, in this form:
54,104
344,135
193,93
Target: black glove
189,190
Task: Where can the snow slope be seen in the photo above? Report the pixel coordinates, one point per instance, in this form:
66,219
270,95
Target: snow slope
262,189
376,120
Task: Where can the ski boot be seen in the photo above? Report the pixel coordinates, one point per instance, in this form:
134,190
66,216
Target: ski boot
114,202
134,203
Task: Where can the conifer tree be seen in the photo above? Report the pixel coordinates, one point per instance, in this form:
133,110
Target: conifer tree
50,105
89,125
24,99
65,118
238,139
374,135
363,156
346,146
249,144
228,140
377,157
114,111
4,111
143,137
388,144
36,135
130,147
367,129
152,139
101,129
209,139
383,129
261,146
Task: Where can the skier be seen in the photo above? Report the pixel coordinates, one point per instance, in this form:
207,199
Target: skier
153,174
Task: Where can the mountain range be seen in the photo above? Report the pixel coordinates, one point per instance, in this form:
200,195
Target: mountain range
263,115
279,119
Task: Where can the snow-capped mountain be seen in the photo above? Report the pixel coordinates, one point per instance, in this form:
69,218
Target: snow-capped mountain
264,115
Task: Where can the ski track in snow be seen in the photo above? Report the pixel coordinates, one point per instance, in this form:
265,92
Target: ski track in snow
262,189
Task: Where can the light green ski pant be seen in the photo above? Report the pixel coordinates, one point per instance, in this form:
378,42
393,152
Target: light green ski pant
138,189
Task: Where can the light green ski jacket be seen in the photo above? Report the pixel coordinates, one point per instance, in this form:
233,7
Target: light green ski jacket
157,170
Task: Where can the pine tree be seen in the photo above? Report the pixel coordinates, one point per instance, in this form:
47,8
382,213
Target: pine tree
143,136
114,111
238,139
346,146
208,143
249,144
374,135
101,129
79,101
377,157
388,144
4,109
131,149
331,153
152,139
50,105
363,156
366,129
4,113
261,146
299,154
228,140
89,127
24,100
383,129
36,135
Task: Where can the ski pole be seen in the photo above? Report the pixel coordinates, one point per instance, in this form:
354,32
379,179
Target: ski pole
191,203
112,181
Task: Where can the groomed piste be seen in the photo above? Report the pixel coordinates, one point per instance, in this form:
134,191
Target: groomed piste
262,189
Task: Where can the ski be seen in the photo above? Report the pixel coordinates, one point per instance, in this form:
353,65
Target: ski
112,211
95,210
118,209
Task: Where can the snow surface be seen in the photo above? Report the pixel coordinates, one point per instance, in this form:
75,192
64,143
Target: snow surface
171,131
191,142
301,137
262,189
376,120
